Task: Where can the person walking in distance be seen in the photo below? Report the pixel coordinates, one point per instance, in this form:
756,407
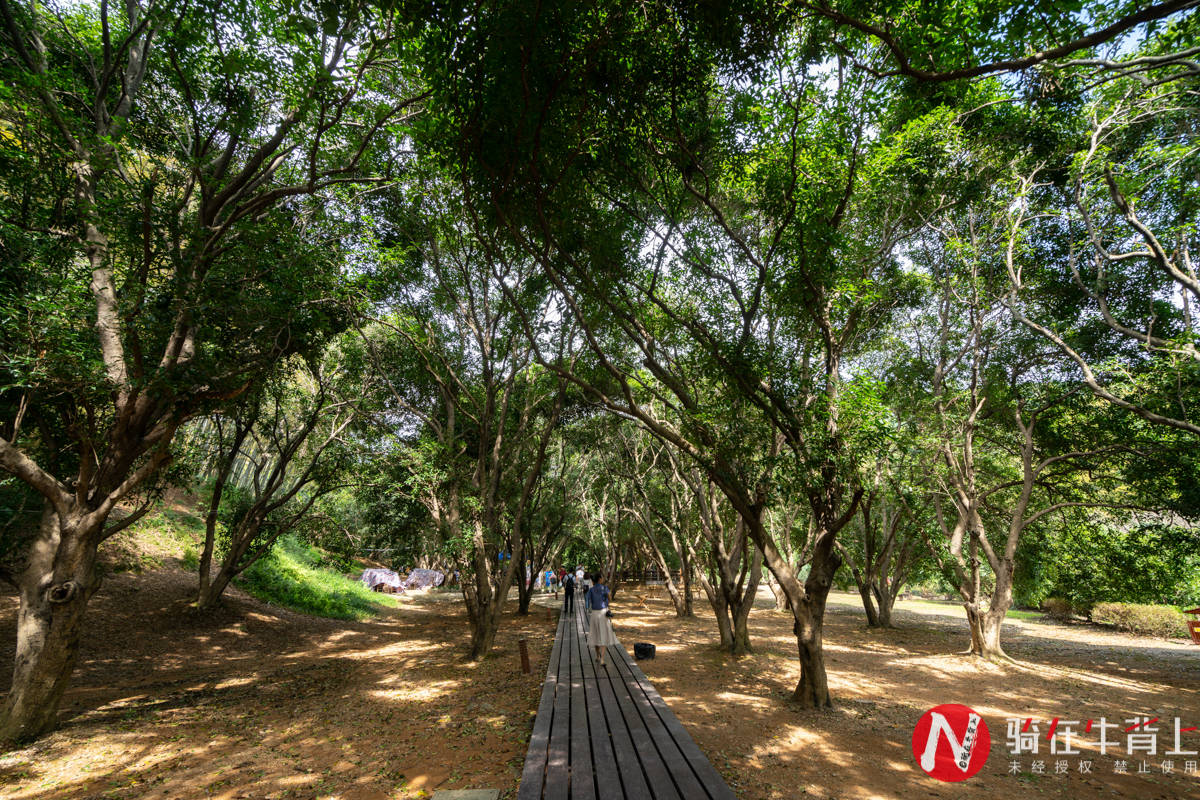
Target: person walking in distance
600,630
568,593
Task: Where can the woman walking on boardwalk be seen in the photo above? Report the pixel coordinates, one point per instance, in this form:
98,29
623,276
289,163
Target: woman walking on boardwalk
600,630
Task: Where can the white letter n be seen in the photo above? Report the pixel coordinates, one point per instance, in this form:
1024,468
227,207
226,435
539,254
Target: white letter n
962,749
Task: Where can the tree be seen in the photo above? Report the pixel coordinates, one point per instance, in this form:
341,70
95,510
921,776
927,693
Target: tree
664,515
551,508
884,550
190,137
1010,436
474,418
698,224
1126,223
608,496
939,43
277,452
1096,558
732,569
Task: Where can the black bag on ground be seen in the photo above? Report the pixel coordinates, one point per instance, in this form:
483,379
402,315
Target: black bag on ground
643,650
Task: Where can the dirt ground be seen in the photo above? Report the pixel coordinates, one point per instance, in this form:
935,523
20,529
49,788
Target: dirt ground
257,702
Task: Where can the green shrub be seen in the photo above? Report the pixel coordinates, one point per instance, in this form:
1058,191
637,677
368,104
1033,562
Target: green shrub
1058,608
191,558
1166,621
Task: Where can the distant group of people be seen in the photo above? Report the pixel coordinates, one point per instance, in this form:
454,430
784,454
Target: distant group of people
596,601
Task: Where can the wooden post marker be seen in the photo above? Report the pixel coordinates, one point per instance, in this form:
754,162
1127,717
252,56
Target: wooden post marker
524,656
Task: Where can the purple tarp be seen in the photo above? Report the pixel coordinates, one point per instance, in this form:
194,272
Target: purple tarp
374,577
423,579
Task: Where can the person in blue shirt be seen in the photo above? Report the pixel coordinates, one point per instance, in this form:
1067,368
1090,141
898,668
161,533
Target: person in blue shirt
600,630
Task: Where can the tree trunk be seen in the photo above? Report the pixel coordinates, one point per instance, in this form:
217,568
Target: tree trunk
986,625
813,689
781,601
486,623
481,604
975,625
677,598
720,608
724,625
741,606
888,589
686,575
865,587
208,595
864,591
682,606
525,592
211,591
740,646
610,572
887,599
234,563
985,636
483,634
54,588
213,586
204,598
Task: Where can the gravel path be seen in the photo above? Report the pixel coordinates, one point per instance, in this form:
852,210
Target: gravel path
1032,637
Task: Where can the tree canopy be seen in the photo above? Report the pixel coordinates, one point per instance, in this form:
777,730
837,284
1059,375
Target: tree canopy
735,291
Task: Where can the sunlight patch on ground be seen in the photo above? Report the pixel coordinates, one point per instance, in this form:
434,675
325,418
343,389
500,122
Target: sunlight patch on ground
423,691
388,709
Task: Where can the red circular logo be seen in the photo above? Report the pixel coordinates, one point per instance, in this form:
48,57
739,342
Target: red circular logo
951,742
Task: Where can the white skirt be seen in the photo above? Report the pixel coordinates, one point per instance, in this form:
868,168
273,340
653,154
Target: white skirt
600,630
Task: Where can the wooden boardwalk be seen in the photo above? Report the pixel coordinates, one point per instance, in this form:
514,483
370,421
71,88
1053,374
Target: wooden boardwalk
603,732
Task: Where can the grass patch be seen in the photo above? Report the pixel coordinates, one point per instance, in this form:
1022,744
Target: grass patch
180,527
169,528
143,545
292,576
190,560
1018,613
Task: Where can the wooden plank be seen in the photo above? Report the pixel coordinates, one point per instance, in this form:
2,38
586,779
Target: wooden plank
605,731
629,768
568,653
587,662
555,652
558,758
714,784
583,780
578,644
625,769
686,781
604,759
657,776
534,772
606,774
568,637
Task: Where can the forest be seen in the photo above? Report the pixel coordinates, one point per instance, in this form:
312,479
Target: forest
833,295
